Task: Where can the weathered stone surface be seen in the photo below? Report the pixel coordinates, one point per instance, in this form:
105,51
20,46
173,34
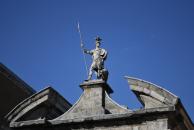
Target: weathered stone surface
151,95
46,104
94,101
154,96
95,110
114,108
136,119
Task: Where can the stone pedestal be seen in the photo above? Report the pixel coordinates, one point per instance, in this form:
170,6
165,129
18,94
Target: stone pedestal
96,84
94,96
91,102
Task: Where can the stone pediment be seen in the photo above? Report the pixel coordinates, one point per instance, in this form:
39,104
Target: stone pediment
151,95
44,105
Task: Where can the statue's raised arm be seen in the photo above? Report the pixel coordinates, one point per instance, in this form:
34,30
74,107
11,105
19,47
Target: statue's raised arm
87,51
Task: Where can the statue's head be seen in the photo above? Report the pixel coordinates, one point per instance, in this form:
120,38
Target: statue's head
98,39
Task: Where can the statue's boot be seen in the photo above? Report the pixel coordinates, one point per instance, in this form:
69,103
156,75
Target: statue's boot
89,77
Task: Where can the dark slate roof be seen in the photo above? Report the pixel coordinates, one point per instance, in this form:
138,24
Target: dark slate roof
15,79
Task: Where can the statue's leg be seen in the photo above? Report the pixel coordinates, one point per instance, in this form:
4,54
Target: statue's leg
91,72
98,74
99,70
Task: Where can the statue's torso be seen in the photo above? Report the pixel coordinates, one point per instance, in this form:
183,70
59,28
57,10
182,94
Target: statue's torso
98,54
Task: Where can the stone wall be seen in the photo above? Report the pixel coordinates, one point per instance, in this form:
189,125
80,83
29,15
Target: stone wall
95,110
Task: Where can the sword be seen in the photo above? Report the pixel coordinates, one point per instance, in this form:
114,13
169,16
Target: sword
82,45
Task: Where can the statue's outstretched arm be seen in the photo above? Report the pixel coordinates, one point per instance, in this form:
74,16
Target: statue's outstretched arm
87,51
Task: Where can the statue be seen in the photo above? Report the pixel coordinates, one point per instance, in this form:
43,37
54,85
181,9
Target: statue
99,55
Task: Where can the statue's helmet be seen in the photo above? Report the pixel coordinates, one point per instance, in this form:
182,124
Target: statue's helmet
98,39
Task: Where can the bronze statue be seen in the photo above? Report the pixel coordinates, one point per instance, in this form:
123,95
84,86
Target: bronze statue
99,55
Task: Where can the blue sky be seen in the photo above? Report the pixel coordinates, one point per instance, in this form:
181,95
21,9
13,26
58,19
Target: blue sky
152,40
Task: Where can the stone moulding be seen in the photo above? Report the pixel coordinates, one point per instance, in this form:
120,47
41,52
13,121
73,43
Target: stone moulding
108,121
39,106
114,107
96,110
154,96
151,95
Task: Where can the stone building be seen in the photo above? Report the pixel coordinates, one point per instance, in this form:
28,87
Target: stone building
48,110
